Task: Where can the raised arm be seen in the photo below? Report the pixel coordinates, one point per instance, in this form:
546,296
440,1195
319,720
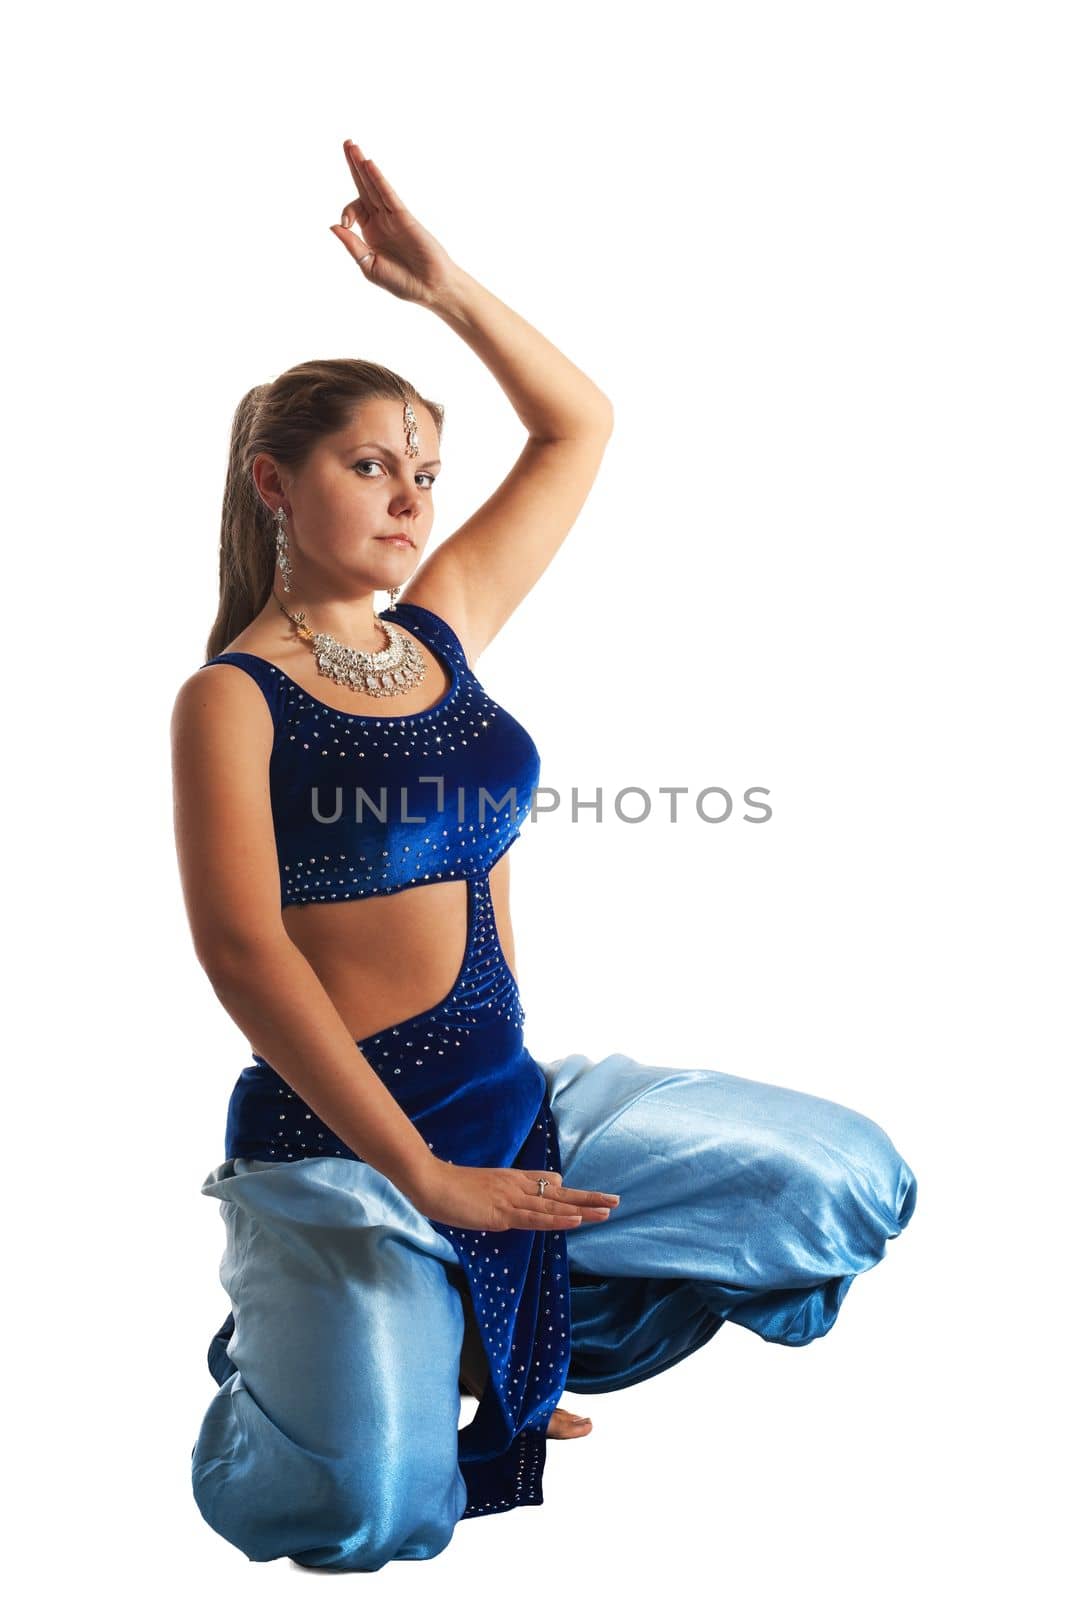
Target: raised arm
477,576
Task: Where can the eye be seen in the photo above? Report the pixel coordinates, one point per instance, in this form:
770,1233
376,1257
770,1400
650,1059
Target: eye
371,461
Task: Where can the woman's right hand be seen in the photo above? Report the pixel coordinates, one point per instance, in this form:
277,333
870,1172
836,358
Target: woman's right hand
393,250
498,1198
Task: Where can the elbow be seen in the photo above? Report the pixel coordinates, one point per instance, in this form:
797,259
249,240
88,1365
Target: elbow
236,960
604,415
603,418
594,423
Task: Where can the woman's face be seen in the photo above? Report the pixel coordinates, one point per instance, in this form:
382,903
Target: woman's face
358,487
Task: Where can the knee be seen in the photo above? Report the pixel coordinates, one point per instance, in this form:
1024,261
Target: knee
367,1518
881,1175
870,1191
346,1521
270,1497
832,1185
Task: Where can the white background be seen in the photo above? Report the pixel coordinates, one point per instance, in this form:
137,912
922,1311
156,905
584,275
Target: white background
820,258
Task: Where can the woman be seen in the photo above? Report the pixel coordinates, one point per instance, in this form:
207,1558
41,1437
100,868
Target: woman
414,1206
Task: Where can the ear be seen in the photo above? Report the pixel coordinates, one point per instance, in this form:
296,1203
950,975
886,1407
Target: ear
268,483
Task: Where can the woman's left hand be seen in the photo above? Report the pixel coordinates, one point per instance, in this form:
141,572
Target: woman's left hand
406,259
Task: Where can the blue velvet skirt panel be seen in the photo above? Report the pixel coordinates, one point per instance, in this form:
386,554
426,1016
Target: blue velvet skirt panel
333,1435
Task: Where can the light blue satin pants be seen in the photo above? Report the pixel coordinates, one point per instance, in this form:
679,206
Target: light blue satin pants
332,1436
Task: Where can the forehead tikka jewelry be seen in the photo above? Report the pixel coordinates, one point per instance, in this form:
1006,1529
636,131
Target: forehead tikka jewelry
410,422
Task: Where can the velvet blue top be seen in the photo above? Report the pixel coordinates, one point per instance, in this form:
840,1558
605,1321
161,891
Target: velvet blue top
366,805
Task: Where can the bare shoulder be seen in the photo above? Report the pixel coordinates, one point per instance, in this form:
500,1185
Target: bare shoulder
219,703
222,738
437,587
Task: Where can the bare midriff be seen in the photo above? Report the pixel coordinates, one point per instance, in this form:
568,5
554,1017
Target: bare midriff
388,957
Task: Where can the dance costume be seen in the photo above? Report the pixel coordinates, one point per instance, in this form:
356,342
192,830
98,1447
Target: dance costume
333,1436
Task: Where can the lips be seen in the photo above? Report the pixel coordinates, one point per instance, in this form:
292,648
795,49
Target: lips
396,538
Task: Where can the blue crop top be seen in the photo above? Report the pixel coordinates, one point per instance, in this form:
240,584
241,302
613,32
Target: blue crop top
366,805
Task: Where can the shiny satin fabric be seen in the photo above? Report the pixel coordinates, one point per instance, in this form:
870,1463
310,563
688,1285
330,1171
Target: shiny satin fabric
333,1435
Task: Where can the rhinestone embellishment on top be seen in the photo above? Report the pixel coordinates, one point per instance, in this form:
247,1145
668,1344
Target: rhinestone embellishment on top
380,673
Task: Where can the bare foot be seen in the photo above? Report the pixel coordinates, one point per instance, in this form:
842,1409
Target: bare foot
567,1425
562,1424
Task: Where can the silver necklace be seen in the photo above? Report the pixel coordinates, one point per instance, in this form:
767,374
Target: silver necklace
393,670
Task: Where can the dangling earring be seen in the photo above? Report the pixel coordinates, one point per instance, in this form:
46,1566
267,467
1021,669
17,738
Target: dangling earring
394,594
282,560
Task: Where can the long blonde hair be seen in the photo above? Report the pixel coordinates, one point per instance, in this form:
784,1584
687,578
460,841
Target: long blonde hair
284,419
